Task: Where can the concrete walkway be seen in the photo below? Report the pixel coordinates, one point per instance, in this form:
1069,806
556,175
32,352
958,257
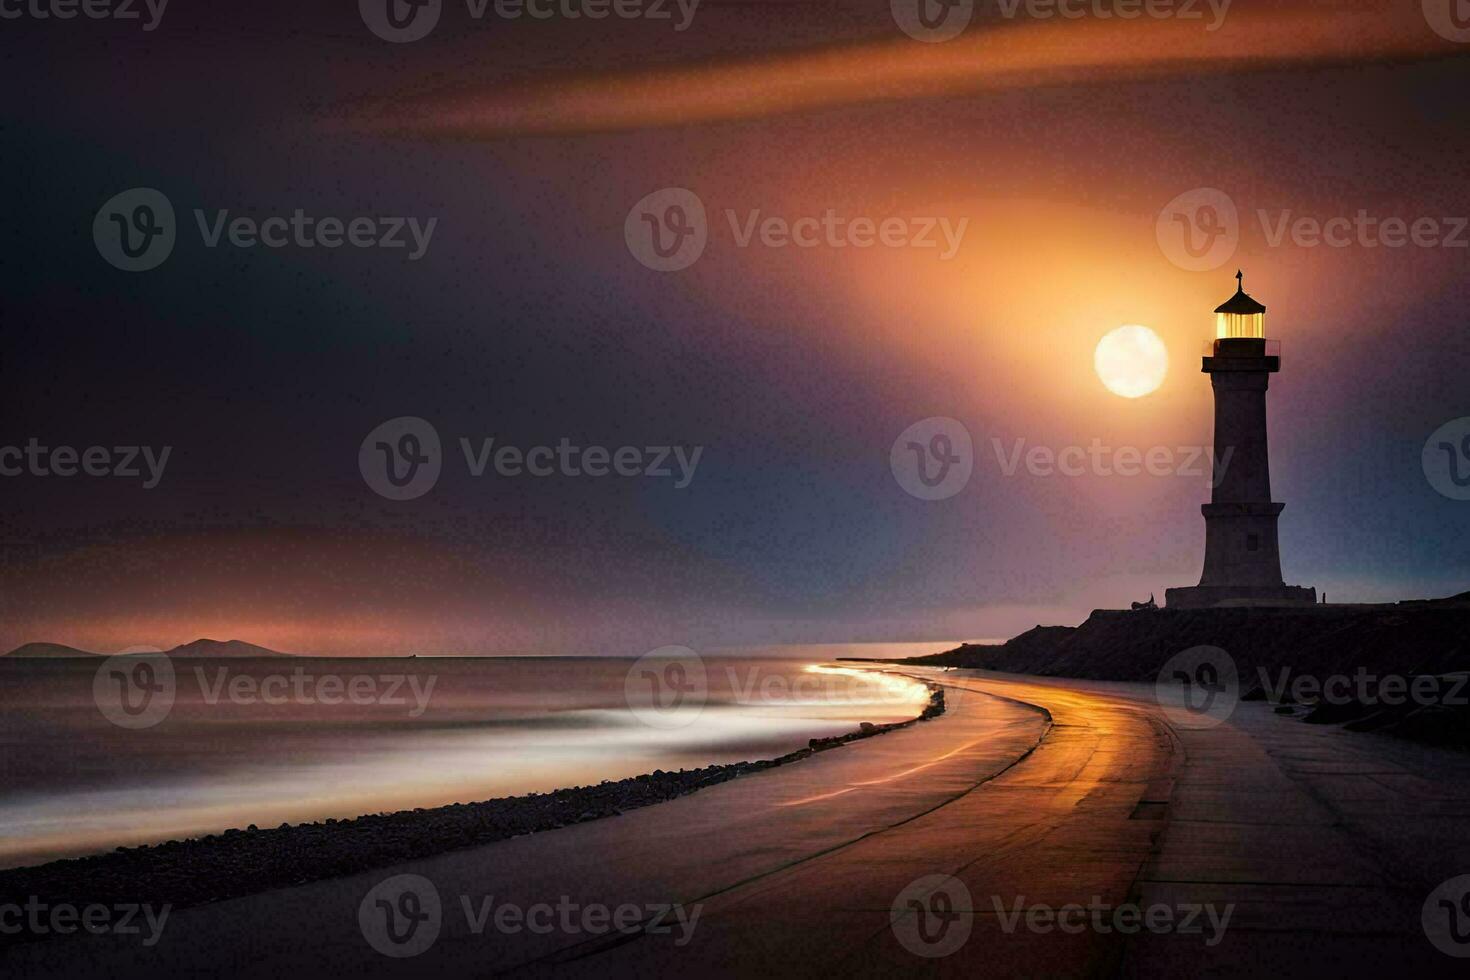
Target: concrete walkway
1027,795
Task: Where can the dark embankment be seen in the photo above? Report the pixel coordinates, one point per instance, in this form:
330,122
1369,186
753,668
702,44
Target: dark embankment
181,873
1272,648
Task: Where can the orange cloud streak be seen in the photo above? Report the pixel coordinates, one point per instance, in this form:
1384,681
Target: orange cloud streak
1021,55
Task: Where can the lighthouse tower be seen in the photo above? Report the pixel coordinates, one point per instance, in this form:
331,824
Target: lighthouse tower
1242,557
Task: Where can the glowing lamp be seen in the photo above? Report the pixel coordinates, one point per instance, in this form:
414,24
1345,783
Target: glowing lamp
1240,317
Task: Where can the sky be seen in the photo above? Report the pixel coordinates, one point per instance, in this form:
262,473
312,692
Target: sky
1054,150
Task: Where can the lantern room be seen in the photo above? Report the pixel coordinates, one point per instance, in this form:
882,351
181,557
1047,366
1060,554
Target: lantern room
1240,317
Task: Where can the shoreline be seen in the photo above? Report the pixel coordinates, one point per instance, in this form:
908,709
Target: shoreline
237,863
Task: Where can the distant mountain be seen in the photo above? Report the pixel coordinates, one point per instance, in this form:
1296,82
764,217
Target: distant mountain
46,651
203,649
223,648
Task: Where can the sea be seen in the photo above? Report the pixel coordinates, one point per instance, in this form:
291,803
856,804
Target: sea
99,753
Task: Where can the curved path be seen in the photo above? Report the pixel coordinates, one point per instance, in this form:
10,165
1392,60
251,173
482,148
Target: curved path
1033,794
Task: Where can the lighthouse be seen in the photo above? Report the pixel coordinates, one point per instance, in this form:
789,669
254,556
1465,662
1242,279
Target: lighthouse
1242,555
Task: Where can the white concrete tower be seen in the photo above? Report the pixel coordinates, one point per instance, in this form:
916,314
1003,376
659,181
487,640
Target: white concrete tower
1242,556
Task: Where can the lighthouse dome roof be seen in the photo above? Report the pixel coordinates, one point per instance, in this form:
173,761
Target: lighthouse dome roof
1241,303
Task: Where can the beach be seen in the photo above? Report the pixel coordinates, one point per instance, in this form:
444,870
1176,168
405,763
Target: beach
1049,793
300,740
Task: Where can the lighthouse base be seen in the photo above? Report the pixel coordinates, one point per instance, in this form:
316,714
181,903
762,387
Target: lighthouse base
1206,596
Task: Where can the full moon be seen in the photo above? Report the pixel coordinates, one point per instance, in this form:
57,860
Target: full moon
1131,361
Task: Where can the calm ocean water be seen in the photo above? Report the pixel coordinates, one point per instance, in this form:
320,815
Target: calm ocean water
299,739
